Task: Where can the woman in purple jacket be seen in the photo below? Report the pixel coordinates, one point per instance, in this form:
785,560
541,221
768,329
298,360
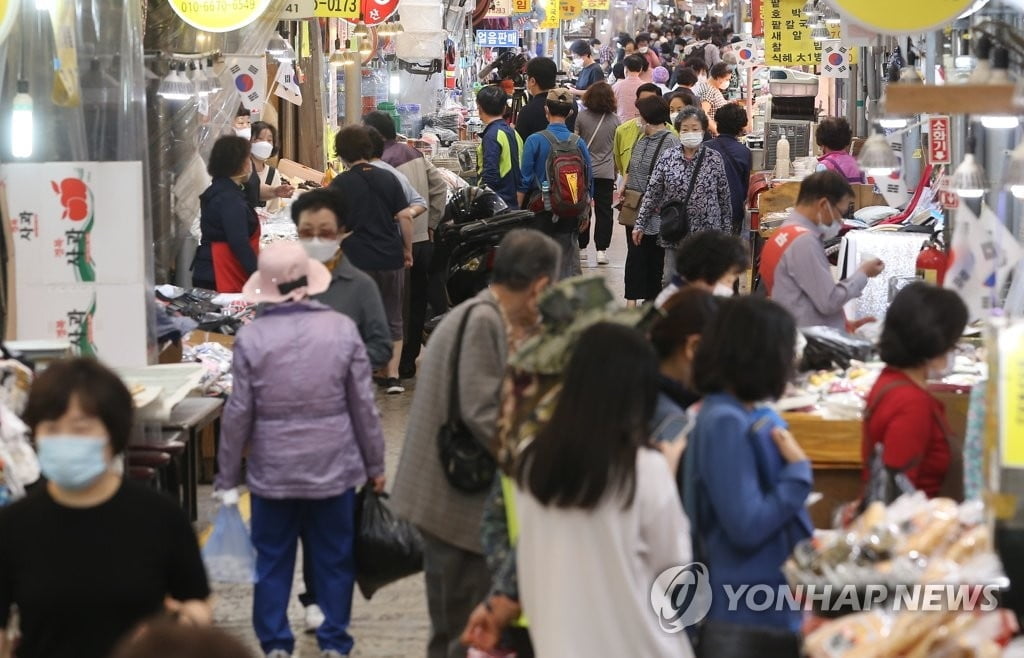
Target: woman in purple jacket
302,404
834,137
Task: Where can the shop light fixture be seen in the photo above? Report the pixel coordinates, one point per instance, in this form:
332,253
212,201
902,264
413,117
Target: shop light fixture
21,122
200,79
384,30
215,84
278,47
893,123
821,32
365,49
360,30
877,157
396,26
338,56
175,87
811,9
969,179
1013,180
44,5
829,15
1000,122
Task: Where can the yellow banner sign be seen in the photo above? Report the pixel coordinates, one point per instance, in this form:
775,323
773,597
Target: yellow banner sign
787,36
8,14
569,9
1011,382
219,15
553,18
904,17
599,5
522,6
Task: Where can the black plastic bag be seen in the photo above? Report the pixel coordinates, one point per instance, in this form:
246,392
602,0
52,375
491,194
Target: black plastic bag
829,348
386,548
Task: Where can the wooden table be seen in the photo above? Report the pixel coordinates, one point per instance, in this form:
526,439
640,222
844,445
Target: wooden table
833,447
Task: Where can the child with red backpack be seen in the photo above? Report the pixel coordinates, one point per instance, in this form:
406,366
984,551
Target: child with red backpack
557,180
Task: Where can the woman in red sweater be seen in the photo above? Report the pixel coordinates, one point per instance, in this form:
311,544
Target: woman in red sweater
918,344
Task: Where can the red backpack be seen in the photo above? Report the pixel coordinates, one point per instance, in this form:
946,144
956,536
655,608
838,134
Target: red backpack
567,176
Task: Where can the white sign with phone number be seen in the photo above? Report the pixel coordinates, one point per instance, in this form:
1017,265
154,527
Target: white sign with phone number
298,9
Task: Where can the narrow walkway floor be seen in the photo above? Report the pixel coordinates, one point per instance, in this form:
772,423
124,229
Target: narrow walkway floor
394,624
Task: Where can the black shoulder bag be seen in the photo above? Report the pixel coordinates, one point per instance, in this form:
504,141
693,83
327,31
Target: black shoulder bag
466,464
675,215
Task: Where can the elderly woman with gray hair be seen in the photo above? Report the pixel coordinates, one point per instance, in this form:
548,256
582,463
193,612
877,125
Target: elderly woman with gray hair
466,358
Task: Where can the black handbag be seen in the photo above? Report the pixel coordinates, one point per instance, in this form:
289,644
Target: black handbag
675,215
466,464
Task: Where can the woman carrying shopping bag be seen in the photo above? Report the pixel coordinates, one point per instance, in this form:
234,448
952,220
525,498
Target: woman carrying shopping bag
303,406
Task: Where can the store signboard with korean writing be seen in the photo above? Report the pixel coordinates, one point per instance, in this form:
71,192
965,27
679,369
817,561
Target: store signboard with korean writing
597,5
219,15
522,6
903,17
1011,384
299,9
8,15
499,9
77,228
938,141
497,38
552,18
787,36
569,9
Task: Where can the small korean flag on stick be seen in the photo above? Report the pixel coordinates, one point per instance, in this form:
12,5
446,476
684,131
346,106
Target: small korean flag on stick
746,53
835,59
288,84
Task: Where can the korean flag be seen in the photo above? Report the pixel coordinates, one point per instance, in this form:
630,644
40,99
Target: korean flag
835,59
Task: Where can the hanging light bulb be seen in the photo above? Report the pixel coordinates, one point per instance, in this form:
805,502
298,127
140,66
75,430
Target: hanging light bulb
877,158
214,79
365,49
396,27
338,56
820,32
44,5
811,9
351,56
385,30
21,122
360,30
1013,180
200,80
175,87
277,47
969,179
830,15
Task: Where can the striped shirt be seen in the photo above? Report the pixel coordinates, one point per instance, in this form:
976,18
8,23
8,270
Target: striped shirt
645,155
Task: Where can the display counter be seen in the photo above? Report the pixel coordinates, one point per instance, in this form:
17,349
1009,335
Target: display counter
833,447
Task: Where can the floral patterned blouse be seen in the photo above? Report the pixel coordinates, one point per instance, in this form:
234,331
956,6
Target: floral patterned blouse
710,205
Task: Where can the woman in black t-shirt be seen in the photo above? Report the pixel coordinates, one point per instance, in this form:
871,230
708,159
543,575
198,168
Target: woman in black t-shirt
89,556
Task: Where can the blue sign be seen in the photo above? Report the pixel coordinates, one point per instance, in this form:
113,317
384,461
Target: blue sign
497,38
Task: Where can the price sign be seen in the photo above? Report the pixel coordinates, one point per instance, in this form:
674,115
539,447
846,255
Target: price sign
949,199
299,9
219,15
938,141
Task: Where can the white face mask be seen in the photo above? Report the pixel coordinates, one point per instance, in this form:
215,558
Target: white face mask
691,140
672,117
643,51
578,61
945,370
262,150
244,133
829,231
722,290
320,250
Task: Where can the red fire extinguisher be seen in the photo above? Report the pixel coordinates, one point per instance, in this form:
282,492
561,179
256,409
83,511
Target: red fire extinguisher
932,263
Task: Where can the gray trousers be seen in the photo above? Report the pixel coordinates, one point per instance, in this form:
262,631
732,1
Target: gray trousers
457,581
570,244
670,267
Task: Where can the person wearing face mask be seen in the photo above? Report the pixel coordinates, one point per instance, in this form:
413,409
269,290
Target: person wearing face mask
501,317
643,47
590,71
88,556
302,407
264,186
229,226
645,257
625,90
541,75
712,99
710,260
693,174
242,125
794,268
918,345
732,121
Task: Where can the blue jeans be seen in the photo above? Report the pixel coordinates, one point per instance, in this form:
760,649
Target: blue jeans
327,527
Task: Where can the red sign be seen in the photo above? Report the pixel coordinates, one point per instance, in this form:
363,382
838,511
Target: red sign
376,12
757,26
949,199
938,141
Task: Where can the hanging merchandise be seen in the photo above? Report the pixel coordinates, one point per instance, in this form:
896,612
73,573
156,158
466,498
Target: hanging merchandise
66,88
8,16
219,16
287,84
913,16
249,77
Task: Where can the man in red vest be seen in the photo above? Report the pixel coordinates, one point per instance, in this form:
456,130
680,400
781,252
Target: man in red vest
794,268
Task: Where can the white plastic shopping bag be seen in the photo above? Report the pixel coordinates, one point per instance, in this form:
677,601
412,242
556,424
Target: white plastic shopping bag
228,554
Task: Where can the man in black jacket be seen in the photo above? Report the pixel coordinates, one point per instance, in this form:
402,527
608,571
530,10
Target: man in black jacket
540,78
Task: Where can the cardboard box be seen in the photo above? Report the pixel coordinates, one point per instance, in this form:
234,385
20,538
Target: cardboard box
200,337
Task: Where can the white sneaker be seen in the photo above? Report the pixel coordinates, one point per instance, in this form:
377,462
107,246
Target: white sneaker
331,653
602,258
583,255
279,653
314,618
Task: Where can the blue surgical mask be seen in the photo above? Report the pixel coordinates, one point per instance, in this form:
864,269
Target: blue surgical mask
72,462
